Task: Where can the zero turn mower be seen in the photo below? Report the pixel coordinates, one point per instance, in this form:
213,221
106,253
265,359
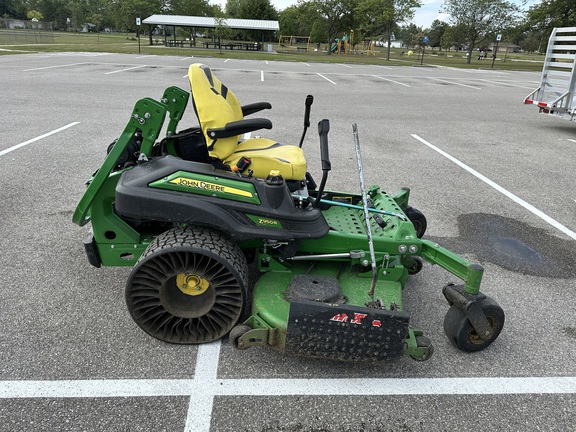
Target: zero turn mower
189,212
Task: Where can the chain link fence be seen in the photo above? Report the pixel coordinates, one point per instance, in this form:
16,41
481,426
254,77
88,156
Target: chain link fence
14,31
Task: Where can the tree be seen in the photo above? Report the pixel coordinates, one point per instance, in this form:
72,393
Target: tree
531,43
552,13
232,8
35,15
125,12
256,9
409,34
12,9
480,18
189,7
337,16
436,33
221,29
384,16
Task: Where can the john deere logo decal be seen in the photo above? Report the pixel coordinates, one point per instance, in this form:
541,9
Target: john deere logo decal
226,187
198,184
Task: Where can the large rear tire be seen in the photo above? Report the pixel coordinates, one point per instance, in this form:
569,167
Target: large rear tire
188,287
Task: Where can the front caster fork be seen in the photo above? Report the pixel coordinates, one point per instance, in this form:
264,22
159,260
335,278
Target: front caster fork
469,304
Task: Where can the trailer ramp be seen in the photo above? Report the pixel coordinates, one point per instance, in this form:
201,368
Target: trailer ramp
556,94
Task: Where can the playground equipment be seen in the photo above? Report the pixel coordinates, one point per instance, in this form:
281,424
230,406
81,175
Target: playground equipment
341,46
557,91
190,211
294,43
369,47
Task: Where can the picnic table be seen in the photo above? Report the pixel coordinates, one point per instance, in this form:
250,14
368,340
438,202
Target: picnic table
234,45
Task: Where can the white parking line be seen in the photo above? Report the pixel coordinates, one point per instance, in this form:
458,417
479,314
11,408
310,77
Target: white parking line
149,55
227,60
261,75
341,64
124,70
200,406
455,83
53,67
205,386
574,141
388,79
500,189
186,58
326,78
506,84
17,146
285,387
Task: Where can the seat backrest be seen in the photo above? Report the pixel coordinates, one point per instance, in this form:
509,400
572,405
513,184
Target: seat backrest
215,105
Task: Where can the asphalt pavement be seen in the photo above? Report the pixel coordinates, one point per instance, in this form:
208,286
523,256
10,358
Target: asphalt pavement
492,175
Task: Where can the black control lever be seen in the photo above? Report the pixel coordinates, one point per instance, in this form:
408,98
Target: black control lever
323,129
308,103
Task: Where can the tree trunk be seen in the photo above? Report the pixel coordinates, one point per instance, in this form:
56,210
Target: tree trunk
470,50
389,43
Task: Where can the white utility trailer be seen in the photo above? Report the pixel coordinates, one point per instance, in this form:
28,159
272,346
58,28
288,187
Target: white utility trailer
557,91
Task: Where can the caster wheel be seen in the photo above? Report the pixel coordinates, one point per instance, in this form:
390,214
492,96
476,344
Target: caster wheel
236,333
415,266
460,332
417,219
188,286
424,342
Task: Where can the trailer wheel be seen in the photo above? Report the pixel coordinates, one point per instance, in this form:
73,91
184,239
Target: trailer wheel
188,287
418,220
460,331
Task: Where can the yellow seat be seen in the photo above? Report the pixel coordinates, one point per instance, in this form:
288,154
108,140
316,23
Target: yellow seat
222,121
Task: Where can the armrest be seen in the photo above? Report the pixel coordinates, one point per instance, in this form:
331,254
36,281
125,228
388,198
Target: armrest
255,107
239,127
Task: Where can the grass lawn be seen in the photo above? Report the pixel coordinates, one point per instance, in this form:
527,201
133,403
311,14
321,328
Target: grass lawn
19,43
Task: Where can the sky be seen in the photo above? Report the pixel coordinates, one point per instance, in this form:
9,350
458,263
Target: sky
423,16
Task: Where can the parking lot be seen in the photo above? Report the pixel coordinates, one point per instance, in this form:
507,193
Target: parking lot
493,177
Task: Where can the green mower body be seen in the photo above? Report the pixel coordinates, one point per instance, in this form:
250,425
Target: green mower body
189,227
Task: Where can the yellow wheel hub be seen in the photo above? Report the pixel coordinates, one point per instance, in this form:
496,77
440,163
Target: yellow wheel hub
191,284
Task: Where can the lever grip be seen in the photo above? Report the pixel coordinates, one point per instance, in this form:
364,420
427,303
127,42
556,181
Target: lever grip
323,129
308,103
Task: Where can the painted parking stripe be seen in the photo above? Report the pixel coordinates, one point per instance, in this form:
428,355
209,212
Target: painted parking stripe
200,406
329,80
54,67
388,79
124,70
500,189
261,75
506,84
205,386
47,134
287,387
574,141
455,83
149,55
